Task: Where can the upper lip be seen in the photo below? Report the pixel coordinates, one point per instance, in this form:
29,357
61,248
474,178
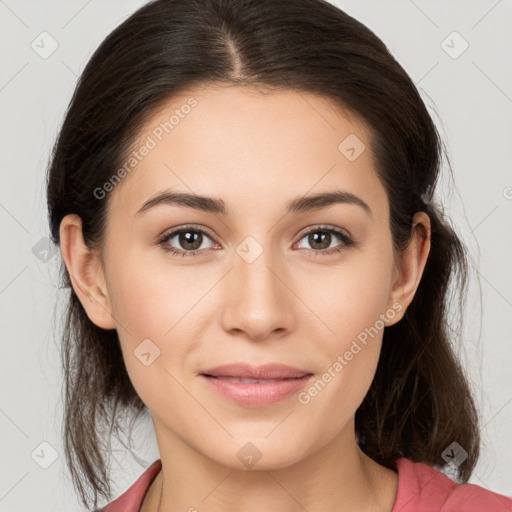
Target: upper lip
247,371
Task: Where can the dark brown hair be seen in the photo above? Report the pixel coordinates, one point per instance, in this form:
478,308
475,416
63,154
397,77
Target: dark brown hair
419,401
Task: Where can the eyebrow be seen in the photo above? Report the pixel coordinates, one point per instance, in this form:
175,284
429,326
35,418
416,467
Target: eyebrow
303,204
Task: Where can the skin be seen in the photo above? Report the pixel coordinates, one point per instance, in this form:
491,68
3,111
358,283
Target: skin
256,152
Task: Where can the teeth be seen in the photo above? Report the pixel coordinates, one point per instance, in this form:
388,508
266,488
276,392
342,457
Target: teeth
250,381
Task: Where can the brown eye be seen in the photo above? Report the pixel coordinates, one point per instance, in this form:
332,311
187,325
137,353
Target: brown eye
190,239
320,240
185,241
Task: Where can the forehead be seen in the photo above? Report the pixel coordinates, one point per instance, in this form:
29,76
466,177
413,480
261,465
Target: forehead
244,144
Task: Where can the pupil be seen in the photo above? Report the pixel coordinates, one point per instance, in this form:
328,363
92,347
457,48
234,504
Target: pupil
323,236
188,238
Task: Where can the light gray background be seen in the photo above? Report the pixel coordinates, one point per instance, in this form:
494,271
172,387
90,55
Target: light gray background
470,98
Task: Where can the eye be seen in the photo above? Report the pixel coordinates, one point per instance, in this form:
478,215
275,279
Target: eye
190,239
320,239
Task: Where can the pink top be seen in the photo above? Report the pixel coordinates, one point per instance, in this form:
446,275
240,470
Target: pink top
421,488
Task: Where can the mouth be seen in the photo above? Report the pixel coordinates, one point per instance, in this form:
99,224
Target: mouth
241,370
250,381
256,386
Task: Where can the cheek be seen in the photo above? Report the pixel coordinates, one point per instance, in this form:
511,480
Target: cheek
155,307
350,299
151,296
351,302
143,315
351,359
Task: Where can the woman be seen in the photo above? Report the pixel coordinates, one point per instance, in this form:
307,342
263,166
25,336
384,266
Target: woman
242,192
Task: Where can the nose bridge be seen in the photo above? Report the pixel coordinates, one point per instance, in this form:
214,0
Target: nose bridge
255,264
259,301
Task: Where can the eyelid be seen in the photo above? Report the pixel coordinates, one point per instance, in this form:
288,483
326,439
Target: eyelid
210,233
184,227
326,227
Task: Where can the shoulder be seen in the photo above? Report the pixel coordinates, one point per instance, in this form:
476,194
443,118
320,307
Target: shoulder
131,499
422,488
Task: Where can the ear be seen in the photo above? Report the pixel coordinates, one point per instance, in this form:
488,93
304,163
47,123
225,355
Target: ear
86,272
410,266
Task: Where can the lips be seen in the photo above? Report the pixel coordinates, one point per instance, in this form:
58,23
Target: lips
247,381
256,386
268,372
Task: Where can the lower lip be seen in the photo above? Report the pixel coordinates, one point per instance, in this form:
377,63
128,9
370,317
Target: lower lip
257,394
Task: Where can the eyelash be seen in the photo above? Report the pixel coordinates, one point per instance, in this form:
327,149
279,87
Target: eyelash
347,242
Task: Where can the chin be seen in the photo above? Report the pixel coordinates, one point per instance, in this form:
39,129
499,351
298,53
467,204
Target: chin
259,454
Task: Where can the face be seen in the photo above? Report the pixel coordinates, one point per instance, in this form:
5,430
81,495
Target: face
247,279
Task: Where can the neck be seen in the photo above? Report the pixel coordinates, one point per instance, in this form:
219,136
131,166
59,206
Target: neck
338,477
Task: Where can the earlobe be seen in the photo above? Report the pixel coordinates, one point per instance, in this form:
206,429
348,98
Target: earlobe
411,265
85,272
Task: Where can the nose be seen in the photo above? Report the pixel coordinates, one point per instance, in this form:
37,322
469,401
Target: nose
259,302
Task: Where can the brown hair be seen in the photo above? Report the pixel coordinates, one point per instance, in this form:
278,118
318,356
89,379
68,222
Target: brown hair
419,401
